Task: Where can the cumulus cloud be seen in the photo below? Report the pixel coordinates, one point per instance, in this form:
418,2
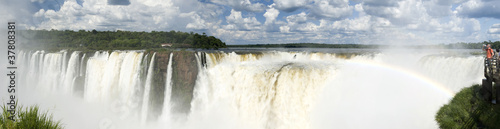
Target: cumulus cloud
494,29
118,2
250,21
197,24
271,24
140,15
403,13
242,5
237,22
271,14
494,32
478,9
331,9
297,18
381,3
438,8
319,9
290,5
17,11
98,14
406,21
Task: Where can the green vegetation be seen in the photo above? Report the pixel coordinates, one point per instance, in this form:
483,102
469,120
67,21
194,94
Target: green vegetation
461,45
116,40
28,118
306,45
467,110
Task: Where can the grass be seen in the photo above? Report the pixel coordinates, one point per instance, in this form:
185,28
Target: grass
28,118
468,110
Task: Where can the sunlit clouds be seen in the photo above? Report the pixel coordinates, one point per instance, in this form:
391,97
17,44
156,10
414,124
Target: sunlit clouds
276,21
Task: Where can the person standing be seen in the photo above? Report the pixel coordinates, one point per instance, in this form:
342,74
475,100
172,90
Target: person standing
489,52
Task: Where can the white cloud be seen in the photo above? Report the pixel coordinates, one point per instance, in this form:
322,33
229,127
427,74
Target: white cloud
284,29
359,24
271,14
319,9
118,2
331,9
17,11
297,19
197,24
438,8
140,15
381,3
405,21
237,22
93,14
242,5
271,24
290,5
494,29
324,21
478,9
494,32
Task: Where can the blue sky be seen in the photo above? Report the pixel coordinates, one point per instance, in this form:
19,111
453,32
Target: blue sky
273,21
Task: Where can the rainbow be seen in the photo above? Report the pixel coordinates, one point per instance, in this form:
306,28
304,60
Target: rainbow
435,85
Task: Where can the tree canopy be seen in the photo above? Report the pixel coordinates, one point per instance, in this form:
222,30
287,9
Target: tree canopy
107,40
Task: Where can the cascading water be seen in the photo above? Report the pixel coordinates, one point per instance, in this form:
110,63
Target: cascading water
280,89
264,89
447,70
114,79
147,87
168,91
72,72
275,90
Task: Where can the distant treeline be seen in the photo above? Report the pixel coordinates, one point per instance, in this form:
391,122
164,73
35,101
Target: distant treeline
477,45
306,45
121,40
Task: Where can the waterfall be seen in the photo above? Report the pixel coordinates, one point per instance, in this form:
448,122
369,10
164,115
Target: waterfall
72,72
447,70
265,90
168,91
82,65
274,90
147,87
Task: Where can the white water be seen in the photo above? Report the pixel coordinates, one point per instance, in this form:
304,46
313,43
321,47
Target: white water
454,72
367,96
270,90
147,88
165,116
318,90
72,72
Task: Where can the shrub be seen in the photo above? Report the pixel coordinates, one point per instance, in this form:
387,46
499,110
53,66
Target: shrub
468,110
28,118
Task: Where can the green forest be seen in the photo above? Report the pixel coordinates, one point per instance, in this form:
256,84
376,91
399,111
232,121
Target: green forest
117,40
306,45
461,45
132,40
478,45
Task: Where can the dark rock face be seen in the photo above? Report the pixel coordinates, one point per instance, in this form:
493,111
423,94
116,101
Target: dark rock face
157,91
184,74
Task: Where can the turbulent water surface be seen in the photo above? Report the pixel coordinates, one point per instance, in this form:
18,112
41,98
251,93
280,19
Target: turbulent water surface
265,89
